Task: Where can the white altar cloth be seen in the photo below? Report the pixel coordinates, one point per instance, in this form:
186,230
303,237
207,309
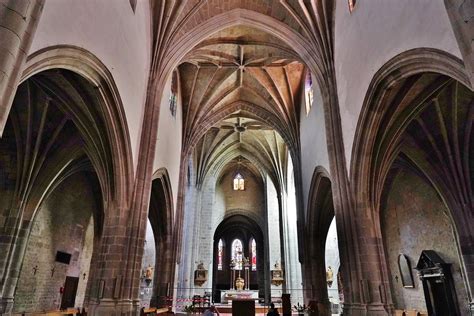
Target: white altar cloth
230,295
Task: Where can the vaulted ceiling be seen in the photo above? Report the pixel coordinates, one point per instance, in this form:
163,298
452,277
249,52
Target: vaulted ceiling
245,87
233,65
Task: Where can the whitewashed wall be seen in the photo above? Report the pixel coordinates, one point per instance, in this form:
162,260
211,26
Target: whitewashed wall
374,33
169,140
116,35
314,150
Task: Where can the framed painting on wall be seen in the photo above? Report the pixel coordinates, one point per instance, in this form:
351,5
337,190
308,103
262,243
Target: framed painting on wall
405,271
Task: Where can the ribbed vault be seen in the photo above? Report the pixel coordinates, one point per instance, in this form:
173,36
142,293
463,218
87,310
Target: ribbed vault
241,91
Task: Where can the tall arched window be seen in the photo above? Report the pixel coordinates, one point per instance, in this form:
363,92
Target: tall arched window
253,254
220,251
352,4
308,91
239,182
237,253
174,93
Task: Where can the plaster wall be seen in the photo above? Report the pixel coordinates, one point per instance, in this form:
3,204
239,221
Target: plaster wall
374,33
415,219
63,223
313,142
113,33
169,140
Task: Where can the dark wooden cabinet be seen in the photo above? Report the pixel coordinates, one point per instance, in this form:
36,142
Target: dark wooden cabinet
438,284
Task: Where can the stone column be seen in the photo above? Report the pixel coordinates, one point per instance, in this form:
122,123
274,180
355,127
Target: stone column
292,268
365,291
12,246
18,22
461,15
108,294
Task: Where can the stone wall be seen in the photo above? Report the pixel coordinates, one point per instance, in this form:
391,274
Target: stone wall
8,174
292,266
217,199
251,199
415,219
274,240
63,223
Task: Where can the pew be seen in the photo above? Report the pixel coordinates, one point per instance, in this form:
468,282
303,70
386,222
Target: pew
154,311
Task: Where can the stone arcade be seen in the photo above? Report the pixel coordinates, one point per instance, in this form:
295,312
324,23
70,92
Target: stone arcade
164,156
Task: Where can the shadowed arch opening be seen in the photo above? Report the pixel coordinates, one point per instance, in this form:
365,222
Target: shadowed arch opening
237,229
58,130
416,123
160,216
320,217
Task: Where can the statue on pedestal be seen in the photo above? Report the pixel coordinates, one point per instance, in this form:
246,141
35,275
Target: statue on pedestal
277,274
329,276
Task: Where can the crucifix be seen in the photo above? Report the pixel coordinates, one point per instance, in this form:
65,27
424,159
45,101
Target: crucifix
52,271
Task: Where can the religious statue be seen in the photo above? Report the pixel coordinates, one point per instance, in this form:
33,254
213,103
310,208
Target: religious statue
277,274
277,265
148,274
239,283
201,266
200,274
246,262
329,276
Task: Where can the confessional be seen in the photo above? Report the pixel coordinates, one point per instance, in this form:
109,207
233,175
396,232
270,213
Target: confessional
438,284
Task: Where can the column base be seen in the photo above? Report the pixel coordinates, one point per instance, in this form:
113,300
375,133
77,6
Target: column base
111,307
374,309
320,308
6,306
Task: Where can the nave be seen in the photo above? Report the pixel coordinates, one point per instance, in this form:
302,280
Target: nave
164,157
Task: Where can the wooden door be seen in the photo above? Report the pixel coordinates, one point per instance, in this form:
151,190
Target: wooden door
69,294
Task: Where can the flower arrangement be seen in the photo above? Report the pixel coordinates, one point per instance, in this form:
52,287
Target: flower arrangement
189,309
301,309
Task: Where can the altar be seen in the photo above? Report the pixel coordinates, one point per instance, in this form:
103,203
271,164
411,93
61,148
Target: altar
234,295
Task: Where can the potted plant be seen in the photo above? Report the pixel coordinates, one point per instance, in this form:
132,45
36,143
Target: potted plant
301,309
189,309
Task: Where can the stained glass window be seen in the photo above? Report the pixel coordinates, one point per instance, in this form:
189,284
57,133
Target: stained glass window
239,182
352,4
253,247
308,91
237,254
220,251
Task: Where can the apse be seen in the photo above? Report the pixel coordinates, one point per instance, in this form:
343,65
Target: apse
241,89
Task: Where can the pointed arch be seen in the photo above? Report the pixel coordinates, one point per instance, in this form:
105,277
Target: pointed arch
403,96
320,214
89,67
161,216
